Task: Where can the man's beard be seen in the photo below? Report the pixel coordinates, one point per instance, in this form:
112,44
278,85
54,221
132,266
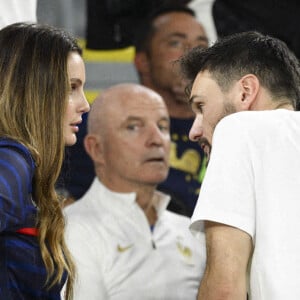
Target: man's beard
228,109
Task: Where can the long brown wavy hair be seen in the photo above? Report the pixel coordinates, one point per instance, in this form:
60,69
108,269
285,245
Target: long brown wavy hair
34,87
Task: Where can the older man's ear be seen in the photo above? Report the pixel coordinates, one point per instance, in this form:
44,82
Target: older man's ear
93,147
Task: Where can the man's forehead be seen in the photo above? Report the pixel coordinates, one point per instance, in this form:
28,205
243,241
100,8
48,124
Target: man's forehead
173,19
166,18
142,105
202,79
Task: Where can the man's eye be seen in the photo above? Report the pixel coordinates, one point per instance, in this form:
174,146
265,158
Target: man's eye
200,106
132,127
197,107
175,43
203,42
164,128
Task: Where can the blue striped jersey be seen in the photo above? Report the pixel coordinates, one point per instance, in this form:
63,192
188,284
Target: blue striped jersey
22,271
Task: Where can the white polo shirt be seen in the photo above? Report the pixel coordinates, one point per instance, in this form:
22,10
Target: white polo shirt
119,257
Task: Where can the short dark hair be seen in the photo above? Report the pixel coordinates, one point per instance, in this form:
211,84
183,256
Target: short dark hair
234,56
146,31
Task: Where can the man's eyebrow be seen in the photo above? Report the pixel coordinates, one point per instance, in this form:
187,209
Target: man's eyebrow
165,118
176,34
133,118
202,38
184,35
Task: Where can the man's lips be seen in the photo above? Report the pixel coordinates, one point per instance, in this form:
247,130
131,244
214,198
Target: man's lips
205,147
156,159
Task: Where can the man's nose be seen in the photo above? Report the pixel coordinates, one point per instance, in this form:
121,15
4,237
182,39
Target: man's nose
196,131
155,136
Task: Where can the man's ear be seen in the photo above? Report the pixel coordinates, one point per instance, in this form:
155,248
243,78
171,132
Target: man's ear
249,87
141,62
93,147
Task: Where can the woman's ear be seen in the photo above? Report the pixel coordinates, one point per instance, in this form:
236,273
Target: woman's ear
249,88
93,147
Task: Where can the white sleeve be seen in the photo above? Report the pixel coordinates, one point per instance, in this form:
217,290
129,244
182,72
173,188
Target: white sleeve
227,193
17,11
89,283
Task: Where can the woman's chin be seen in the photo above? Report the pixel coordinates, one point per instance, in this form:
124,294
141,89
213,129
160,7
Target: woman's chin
71,140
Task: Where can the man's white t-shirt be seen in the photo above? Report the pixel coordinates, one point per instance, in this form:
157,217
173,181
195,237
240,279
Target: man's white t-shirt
253,183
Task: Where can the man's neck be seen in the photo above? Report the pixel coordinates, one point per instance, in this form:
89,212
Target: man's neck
264,101
144,198
144,193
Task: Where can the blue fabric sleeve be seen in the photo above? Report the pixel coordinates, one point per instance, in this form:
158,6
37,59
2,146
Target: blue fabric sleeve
16,173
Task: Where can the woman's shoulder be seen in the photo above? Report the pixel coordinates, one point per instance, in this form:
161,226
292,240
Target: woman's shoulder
13,149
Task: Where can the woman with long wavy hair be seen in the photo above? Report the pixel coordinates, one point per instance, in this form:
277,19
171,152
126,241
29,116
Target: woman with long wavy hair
41,104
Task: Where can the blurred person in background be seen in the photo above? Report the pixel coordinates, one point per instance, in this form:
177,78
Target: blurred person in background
163,38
